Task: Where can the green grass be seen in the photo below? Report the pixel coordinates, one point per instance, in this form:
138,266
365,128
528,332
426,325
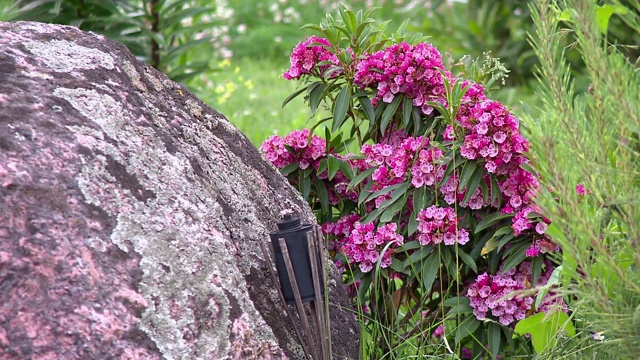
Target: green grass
250,94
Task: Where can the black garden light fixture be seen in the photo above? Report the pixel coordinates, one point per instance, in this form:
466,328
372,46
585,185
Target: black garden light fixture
299,255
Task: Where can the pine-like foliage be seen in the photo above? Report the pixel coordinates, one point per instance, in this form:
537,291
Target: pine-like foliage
586,146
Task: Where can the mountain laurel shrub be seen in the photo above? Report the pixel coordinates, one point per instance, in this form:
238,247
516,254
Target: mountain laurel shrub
425,192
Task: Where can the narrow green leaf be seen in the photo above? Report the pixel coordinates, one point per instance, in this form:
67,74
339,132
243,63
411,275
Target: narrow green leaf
365,192
468,260
407,109
413,223
516,256
322,166
346,169
491,219
474,183
416,258
340,107
456,300
462,308
316,91
485,191
389,112
332,166
290,168
496,195
468,169
323,195
361,177
305,186
365,103
494,334
393,208
386,191
466,328
429,271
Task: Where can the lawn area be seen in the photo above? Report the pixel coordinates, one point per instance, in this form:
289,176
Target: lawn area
250,94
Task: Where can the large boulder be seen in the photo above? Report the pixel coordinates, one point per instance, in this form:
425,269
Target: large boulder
131,214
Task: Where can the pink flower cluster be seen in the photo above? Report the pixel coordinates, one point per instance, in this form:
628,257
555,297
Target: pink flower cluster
492,135
307,55
307,153
366,243
339,231
541,245
406,69
491,295
426,171
391,162
452,193
440,225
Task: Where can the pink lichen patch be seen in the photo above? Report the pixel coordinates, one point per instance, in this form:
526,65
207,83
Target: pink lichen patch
245,346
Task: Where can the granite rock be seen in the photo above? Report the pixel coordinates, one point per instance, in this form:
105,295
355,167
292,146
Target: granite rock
131,214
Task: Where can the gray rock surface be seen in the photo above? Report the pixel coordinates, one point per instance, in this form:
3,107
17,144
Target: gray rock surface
131,213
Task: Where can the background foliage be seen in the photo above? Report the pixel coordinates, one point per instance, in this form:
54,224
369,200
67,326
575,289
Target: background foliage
586,147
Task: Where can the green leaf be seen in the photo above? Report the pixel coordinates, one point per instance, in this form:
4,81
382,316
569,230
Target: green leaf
554,280
544,329
323,195
322,166
604,12
466,328
387,190
421,253
468,169
456,300
468,260
389,112
493,334
346,169
365,192
413,223
392,210
496,195
429,271
517,255
485,191
473,183
407,109
361,177
305,186
340,107
491,219
411,245
365,103
332,166
290,168
316,90
462,308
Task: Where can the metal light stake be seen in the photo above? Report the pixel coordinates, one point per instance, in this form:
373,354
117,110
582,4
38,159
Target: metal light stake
298,252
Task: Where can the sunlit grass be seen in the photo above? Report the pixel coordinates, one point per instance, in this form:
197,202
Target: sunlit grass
250,94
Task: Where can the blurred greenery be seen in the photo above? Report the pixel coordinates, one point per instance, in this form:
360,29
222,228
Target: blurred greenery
586,147
168,34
